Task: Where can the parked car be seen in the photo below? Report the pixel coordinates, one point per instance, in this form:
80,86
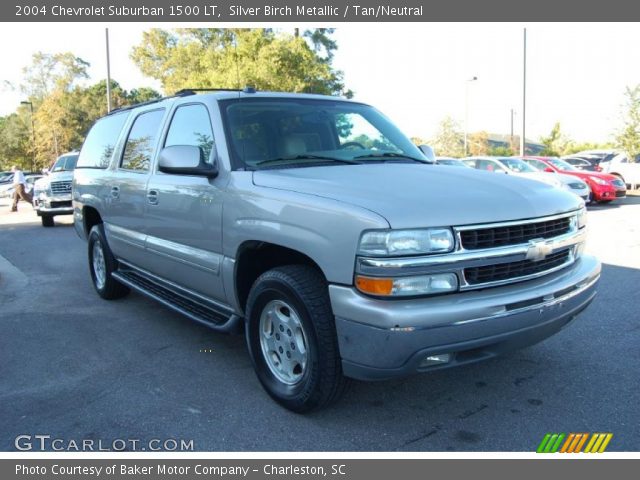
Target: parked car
587,163
7,189
449,161
315,226
623,168
604,187
52,193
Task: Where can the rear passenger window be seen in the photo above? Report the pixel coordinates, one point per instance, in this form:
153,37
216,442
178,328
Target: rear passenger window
191,125
100,143
142,141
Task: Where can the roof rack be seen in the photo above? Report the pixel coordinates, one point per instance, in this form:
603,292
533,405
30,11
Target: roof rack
192,91
185,92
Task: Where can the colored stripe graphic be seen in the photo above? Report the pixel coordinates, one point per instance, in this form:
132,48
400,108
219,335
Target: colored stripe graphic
550,443
573,442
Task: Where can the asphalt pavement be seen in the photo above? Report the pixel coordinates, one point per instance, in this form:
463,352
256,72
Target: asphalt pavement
76,367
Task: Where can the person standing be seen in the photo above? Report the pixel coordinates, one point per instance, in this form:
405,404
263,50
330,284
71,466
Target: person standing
19,186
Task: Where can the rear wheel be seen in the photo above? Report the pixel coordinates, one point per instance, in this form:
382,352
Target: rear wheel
292,339
47,220
102,264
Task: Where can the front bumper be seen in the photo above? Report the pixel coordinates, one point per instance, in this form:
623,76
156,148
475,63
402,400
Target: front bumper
382,339
53,205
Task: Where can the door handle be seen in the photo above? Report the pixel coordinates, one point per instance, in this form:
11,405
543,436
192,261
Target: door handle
115,192
152,197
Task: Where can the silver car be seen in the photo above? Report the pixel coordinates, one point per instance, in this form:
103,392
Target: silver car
52,194
313,225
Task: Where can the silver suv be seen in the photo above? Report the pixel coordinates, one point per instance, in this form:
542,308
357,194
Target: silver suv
313,225
52,194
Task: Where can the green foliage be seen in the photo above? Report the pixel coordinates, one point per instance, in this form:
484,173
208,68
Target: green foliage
554,144
64,110
500,151
449,140
628,138
233,58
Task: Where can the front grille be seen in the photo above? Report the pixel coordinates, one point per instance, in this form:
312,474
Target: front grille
59,188
621,193
60,204
513,234
513,270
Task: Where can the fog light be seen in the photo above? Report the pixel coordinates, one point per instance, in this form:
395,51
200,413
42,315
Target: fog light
433,360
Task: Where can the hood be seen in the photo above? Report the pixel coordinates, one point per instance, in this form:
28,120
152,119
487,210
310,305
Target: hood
411,195
66,175
540,177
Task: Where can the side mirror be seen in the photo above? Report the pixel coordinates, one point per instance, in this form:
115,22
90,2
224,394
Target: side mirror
549,169
428,152
185,160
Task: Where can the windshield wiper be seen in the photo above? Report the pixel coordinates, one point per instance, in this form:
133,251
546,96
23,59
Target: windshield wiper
307,157
392,155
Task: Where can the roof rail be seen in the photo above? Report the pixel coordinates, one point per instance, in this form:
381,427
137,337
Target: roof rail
193,91
136,105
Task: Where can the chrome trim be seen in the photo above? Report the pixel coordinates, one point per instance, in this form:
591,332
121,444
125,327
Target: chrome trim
191,256
547,302
462,258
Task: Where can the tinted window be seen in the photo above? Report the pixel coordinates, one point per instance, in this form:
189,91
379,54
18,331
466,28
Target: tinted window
142,140
101,142
191,125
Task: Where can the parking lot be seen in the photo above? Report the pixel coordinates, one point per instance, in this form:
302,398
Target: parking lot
76,367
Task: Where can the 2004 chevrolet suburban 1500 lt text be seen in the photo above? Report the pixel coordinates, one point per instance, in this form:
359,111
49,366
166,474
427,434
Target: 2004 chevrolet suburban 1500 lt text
315,226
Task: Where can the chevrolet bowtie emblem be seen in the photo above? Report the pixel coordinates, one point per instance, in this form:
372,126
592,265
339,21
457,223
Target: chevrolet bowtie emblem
538,250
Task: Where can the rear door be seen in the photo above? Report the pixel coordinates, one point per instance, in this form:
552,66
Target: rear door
184,212
126,195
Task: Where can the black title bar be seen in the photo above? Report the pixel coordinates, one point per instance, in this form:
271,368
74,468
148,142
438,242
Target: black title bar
315,11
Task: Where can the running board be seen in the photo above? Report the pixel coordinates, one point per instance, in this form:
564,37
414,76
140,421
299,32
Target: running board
207,315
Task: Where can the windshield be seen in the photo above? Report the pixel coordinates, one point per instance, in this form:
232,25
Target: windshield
517,165
562,165
65,163
288,132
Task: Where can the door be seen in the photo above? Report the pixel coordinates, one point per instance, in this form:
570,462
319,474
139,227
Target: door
184,212
126,193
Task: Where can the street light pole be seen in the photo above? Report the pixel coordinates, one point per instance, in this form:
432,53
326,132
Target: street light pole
524,94
33,135
466,111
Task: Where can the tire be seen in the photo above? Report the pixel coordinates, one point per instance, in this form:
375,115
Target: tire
101,269
47,220
292,296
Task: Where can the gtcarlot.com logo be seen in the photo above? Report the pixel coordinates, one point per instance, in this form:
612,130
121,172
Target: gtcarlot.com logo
574,443
47,443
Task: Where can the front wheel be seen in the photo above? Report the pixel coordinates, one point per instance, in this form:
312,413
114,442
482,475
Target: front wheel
292,339
47,220
102,264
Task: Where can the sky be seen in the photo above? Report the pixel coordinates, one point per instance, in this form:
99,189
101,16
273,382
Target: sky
416,73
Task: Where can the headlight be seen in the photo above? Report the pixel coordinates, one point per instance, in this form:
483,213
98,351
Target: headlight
408,286
599,181
581,217
383,243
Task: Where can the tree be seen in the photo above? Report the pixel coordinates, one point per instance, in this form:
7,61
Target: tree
15,140
49,72
449,139
233,58
478,143
500,151
555,143
628,138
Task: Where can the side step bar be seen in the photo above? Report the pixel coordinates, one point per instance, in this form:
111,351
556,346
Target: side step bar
195,310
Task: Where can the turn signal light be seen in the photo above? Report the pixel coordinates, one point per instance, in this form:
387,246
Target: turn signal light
374,286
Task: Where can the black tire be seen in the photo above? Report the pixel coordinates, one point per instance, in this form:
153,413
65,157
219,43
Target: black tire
47,220
305,290
108,288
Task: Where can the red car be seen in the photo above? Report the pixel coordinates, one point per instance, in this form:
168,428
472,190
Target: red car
604,187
